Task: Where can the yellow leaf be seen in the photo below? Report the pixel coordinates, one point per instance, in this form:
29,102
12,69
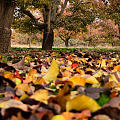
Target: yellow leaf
27,57
82,102
83,60
68,68
92,80
78,80
117,68
41,95
18,81
98,74
24,87
80,71
69,62
113,59
103,64
89,69
24,96
53,72
89,0
112,78
117,87
58,117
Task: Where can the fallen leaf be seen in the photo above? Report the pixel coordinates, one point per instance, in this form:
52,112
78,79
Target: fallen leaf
90,79
98,74
18,81
8,75
112,78
82,102
53,72
13,103
80,71
41,95
101,117
18,117
77,116
20,64
39,81
58,117
103,64
117,68
24,87
76,80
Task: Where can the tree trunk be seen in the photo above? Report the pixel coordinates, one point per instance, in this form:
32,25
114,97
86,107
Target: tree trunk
66,42
6,15
48,35
48,38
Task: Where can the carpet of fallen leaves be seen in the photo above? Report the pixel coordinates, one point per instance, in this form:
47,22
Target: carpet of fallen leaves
60,85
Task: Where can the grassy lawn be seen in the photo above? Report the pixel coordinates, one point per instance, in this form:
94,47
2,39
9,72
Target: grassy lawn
70,49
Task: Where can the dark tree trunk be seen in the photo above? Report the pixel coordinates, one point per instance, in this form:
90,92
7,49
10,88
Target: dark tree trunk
6,15
48,39
66,42
48,35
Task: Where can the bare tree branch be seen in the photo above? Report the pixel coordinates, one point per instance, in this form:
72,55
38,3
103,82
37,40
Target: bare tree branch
35,20
62,37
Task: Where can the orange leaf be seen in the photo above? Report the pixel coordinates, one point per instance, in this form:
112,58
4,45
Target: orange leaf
78,80
80,71
8,75
39,81
117,68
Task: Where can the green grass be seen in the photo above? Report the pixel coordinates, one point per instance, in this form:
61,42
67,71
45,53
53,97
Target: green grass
70,49
30,49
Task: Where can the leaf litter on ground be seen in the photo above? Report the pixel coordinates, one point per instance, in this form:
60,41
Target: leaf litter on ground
62,85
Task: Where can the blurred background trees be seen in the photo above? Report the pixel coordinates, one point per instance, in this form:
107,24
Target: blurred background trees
89,21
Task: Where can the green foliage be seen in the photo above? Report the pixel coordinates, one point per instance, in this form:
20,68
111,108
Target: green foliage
25,25
103,99
78,17
109,10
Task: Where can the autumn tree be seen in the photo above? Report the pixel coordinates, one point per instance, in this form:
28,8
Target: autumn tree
78,15
109,9
50,10
6,15
111,31
65,35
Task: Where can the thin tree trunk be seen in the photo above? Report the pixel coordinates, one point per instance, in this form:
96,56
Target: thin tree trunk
66,42
6,15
